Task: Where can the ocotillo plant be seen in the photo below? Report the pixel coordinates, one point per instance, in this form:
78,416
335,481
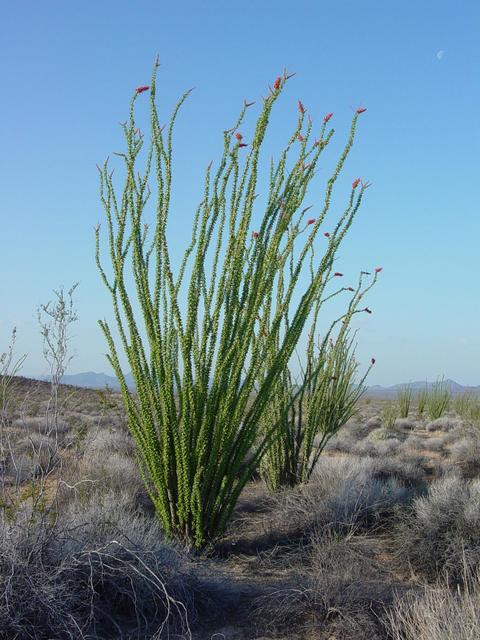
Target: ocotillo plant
191,337
389,415
462,404
313,408
404,400
438,399
422,398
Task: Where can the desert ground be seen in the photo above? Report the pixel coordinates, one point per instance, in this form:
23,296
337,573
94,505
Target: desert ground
382,543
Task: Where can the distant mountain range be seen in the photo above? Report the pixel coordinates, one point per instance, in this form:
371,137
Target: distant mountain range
93,380
418,385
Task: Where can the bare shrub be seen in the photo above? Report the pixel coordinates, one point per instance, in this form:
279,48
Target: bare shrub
101,570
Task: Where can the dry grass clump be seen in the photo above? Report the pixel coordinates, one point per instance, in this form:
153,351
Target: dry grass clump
408,470
417,443
109,441
380,444
343,494
337,592
405,424
98,472
374,422
441,533
384,433
437,613
31,457
387,447
444,423
465,453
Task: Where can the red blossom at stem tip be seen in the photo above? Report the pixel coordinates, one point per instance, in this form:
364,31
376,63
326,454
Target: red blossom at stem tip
255,235
350,289
378,269
361,110
238,136
338,274
300,137
367,310
141,89
301,108
328,116
276,84
310,221
355,183
326,234
372,360
242,144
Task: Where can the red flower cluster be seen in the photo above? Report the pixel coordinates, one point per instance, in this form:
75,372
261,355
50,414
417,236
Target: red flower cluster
301,108
361,110
310,221
326,234
300,137
338,274
378,269
350,289
355,183
255,235
327,117
141,89
242,144
238,136
276,84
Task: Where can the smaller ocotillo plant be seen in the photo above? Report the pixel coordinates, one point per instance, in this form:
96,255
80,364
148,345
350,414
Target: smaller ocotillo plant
438,400
404,400
422,398
389,415
463,404
467,406
312,410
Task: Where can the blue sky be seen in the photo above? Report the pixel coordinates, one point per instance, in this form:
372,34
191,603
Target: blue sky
68,71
